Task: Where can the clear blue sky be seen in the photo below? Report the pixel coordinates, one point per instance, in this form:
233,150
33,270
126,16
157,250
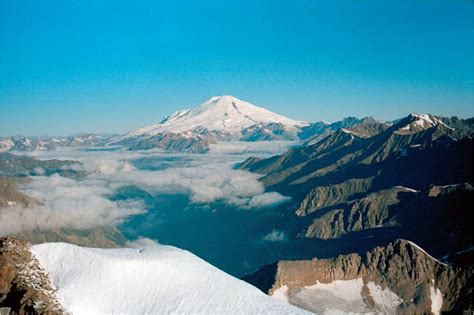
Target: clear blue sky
72,66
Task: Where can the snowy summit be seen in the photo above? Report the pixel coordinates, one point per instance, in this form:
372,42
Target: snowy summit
223,114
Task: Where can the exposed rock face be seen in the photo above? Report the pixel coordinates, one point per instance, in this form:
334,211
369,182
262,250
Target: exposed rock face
325,196
365,127
345,154
347,185
398,278
372,211
436,191
442,208
25,287
10,196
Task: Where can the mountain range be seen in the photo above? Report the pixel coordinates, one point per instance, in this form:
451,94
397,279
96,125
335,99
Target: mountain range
225,118
366,195
357,179
221,118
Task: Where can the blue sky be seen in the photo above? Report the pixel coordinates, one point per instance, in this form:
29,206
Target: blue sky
72,66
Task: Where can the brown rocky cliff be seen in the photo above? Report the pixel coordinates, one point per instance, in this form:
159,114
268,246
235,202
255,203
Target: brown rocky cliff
25,287
400,266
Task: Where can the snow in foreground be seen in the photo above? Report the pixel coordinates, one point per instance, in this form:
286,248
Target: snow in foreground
155,279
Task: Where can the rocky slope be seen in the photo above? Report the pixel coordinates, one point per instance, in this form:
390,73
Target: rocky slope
447,208
25,286
416,152
405,181
397,278
364,127
348,151
10,196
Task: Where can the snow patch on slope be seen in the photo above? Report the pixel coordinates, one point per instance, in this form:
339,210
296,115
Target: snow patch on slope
423,121
158,279
342,297
6,145
436,300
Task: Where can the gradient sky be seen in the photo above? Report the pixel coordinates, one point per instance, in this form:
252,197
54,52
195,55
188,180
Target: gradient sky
72,66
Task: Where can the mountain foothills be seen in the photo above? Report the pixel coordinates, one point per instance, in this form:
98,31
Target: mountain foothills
362,193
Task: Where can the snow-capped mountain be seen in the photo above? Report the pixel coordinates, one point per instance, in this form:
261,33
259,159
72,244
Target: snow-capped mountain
418,122
21,143
220,118
154,279
223,114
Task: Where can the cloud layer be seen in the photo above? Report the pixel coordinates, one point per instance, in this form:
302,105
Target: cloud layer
85,203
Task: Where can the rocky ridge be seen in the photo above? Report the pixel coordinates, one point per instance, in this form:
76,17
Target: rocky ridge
25,286
399,277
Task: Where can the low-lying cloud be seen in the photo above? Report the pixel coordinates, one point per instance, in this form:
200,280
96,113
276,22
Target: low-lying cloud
85,203
271,199
66,203
142,242
275,236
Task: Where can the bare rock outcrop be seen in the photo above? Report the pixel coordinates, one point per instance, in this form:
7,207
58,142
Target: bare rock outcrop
397,278
25,287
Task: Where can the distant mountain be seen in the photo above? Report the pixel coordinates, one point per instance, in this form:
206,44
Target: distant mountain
220,118
153,279
20,166
348,150
21,143
317,131
384,182
399,278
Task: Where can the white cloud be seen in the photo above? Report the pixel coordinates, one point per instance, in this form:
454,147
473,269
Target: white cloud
85,203
271,199
142,242
67,203
258,147
275,236
39,171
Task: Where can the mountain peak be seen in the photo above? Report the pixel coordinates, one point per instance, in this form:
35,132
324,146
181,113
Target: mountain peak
224,114
415,122
223,98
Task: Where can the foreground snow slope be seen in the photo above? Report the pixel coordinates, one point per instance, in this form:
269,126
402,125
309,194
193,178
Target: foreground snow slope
158,279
